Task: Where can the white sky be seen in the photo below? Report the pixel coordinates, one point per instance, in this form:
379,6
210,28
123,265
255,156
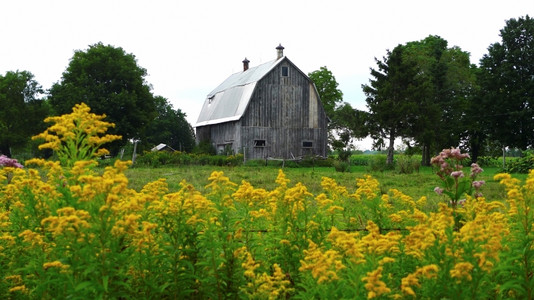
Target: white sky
190,47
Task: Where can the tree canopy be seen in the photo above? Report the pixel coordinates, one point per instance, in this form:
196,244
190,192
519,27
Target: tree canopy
327,87
507,85
110,82
170,127
390,98
346,122
420,91
23,111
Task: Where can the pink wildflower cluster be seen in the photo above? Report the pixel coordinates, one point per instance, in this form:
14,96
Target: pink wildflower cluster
9,162
449,164
447,157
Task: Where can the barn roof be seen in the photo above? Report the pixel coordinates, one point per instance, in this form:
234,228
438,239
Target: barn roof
228,101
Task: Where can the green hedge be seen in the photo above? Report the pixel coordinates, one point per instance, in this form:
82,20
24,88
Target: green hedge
163,158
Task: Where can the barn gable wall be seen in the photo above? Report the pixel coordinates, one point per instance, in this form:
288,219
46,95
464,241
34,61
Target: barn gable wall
284,111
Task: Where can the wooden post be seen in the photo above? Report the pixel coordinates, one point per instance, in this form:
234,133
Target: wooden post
134,154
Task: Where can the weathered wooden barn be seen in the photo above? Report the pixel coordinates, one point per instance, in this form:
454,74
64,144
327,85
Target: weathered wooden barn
272,110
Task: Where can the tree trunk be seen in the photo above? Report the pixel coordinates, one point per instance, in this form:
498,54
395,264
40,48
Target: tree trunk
425,157
5,150
391,147
475,152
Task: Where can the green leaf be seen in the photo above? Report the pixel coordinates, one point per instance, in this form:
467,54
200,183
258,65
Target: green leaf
82,286
105,281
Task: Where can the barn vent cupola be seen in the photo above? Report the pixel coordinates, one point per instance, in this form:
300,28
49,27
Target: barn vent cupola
280,51
245,64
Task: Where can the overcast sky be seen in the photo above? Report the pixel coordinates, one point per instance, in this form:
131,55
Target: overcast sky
190,47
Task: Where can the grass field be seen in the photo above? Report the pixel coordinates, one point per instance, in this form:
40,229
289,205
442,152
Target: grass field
415,185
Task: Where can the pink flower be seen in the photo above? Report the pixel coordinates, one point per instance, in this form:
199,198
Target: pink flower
478,184
9,162
457,174
438,190
475,170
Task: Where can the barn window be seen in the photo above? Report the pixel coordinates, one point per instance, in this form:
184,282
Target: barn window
307,144
259,143
285,71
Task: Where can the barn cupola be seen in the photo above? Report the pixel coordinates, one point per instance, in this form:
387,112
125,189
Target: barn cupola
280,51
245,64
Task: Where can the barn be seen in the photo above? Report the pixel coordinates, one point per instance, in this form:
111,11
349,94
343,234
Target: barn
272,110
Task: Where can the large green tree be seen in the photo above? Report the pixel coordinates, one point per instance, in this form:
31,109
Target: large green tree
22,110
507,85
390,98
111,82
445,84
420,91
170,127
345,122
327,87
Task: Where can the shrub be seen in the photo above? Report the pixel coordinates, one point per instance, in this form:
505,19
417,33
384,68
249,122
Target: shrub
489,161
341,166
522,164
378,163
406,164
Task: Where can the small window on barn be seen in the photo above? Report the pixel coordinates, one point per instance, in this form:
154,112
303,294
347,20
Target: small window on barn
307,144
285,71
259,143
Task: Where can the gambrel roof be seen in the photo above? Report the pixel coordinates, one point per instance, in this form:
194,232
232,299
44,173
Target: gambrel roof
229,100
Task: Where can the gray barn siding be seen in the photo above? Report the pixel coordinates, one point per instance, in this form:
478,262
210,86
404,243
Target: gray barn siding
221,135
280,112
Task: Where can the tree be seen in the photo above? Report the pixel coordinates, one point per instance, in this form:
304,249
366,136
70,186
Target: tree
326,85
445,84
110,82
420,91
346,122
390,98
170,127
22,112
507,85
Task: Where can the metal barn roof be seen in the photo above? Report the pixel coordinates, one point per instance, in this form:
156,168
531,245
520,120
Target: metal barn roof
228,101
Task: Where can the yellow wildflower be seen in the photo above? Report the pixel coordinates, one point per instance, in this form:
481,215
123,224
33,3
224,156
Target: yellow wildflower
375,242
220,183
20,288
34,238
76,136
348,243
462,271
368,188
323,265
412,280
374,285
55,264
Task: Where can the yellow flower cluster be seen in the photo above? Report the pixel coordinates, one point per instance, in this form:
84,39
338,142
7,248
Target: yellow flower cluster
77,136
265,286
368,188
323,265
67,221
412,280
374,285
